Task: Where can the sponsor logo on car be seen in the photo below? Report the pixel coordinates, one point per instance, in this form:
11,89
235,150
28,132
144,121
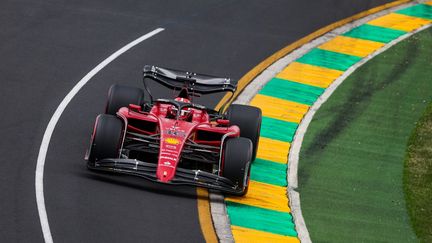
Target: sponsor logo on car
169,151
174,132
166,157
173,141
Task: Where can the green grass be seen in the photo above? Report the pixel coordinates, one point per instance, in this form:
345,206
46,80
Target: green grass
418,177
352,158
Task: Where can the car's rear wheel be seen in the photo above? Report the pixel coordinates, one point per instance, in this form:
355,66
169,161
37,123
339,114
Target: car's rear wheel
106,138
237,161
121,96
248,119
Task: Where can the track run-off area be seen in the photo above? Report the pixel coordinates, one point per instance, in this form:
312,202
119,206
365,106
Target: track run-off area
49,46
352,158
264,214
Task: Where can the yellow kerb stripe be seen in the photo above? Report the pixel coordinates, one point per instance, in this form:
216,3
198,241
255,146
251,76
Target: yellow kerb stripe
351,46
249,235
399,22
204,216
264,195
280,109
309,74
273,150
429,3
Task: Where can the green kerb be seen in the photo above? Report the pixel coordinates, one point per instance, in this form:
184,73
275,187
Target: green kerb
329,59
269,172
374,33
261,219
278,129
292,91
421,11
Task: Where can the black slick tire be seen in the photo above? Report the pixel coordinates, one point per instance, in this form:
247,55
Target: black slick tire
121,96
248,119
106,138
237,161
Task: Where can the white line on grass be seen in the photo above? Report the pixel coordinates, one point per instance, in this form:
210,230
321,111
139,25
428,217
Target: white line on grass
40,200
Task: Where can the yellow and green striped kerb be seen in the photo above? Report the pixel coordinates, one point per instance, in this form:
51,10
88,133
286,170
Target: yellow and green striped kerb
263,215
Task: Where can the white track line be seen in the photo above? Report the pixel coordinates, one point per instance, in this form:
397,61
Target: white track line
40,200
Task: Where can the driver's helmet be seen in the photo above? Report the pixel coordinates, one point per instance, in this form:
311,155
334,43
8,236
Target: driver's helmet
184,114
172,111
184,100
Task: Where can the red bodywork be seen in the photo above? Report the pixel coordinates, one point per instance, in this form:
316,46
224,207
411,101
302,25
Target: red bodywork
174,132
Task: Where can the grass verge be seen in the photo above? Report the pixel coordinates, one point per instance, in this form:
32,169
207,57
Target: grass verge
352,159
418,177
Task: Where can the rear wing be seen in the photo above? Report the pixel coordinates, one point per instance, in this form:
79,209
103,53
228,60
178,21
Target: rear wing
196,83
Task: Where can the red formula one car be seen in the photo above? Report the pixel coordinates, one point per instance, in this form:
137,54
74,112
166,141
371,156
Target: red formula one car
176,141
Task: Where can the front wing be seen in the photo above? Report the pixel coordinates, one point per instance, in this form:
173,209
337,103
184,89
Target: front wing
183,176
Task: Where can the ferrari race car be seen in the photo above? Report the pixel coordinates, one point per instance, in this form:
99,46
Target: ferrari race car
176,141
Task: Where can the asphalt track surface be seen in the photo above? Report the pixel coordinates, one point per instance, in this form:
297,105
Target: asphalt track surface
48,46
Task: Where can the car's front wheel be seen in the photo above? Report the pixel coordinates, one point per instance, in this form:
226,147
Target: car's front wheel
237,157
106,138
